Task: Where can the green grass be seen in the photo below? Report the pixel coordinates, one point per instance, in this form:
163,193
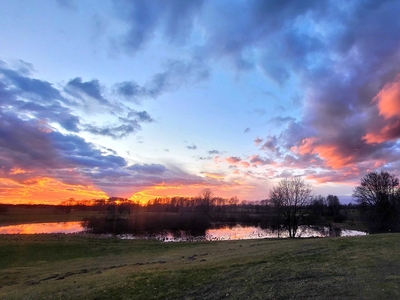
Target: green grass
79,267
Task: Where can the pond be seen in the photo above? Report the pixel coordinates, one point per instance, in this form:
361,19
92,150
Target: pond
219,234
36,228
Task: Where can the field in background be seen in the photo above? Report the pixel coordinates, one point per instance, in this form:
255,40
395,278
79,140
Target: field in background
81,267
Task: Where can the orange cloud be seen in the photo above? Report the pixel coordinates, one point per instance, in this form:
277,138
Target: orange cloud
388,105
244,164
214,175
16,171
388,100
387,133
233,160
330,153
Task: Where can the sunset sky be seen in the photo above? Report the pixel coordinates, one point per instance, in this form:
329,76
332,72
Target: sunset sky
150,98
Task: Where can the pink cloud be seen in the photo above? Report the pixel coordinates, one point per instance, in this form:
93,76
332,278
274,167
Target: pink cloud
388,100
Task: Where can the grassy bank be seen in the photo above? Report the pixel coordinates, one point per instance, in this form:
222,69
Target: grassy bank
76,267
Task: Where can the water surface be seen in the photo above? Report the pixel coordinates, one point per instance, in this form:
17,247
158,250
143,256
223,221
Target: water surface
221,234
36,228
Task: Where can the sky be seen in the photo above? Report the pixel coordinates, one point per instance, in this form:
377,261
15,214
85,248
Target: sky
153,98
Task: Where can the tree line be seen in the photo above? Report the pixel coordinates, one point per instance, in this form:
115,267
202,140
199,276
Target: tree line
378,197
291,206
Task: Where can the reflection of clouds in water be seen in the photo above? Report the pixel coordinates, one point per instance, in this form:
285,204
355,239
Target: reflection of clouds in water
221,234
35,228
238,233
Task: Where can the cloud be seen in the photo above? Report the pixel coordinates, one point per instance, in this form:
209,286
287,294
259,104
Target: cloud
388,99
341,66
37,90
175,74
35,156
129,90
205,158
33,98
115,132
141,116
126,125
256,160
233,159
148,168
67,4
31,145
78,88
192,147
258,141
211,152
387,125
237,161
143,18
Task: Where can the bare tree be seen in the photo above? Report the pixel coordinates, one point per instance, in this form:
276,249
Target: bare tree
290,199
333,204
379,195
206,201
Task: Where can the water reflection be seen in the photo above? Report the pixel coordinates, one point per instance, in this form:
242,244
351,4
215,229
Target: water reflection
35,228
219,234
244,233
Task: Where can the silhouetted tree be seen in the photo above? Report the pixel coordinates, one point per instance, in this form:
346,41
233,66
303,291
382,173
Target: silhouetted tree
205,201
290,198
3,208
379,195
318,206
333,204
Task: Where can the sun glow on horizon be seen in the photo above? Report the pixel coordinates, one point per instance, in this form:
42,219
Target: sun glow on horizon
46,191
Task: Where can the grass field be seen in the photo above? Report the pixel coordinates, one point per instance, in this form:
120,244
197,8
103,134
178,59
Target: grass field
80,267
